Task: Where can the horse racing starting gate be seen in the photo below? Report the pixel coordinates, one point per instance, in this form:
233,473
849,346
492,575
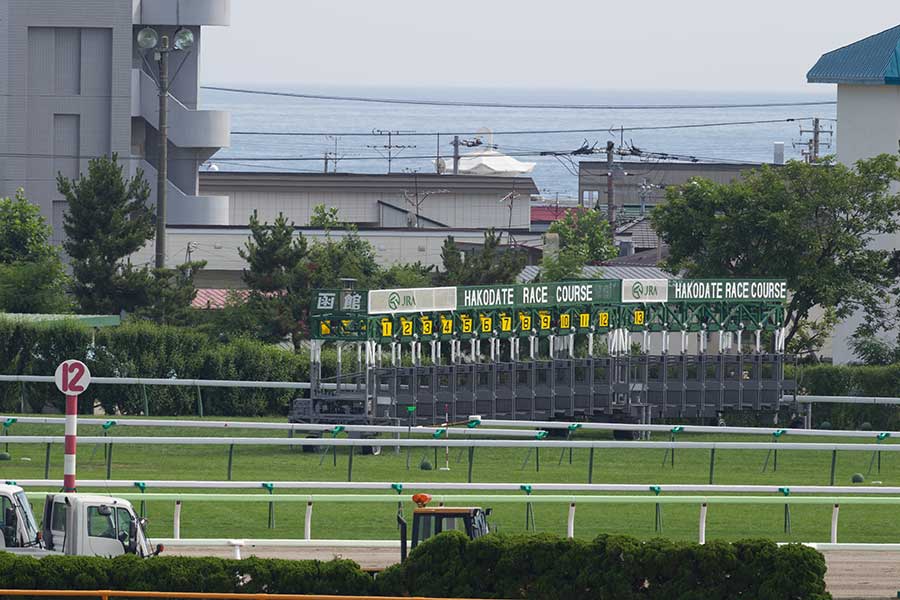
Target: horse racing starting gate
603,350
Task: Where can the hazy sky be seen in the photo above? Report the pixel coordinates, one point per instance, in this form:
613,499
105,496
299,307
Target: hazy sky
761,45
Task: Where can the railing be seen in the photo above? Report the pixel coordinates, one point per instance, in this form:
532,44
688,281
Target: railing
471,444
770,431
289,427
573,500
426,486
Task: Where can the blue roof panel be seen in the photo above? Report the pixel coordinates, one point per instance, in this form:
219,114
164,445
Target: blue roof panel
873,60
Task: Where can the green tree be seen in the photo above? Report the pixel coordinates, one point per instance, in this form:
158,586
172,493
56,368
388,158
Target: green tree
277,278
812,225
407,275
324,217
108,220
32,278
173,292
489,264
584,239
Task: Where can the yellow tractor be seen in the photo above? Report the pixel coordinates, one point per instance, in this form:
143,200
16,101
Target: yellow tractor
430,521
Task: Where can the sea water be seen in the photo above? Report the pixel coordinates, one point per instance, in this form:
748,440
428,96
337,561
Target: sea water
554,175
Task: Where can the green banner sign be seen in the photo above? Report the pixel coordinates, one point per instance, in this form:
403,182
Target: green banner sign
576,293
603,292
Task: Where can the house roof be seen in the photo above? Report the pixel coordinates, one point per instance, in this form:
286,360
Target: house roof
640,231
645,258
214,181
543,213
874,60
215,298
530,272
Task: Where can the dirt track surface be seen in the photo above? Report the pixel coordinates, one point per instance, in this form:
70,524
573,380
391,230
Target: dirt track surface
851,574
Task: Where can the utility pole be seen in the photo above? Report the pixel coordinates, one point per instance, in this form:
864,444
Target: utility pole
610,188
390,147
162,171
437,161
812,153
456,143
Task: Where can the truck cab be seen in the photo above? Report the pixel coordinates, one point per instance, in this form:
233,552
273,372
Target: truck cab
18,528
430,521
90,525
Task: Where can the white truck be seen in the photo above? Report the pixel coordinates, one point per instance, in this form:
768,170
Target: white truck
74,524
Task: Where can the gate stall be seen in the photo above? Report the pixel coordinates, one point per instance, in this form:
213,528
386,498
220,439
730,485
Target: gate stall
603,350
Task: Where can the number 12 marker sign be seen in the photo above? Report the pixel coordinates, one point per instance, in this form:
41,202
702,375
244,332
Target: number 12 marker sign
72,378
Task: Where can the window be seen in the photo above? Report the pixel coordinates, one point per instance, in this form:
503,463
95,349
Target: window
123,520
426,526
4,504
58,522
100,525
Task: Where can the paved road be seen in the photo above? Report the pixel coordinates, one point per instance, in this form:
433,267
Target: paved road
851,574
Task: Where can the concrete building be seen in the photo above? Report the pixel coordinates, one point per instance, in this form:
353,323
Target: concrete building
381,207
393,200
867,74
74,86
643,184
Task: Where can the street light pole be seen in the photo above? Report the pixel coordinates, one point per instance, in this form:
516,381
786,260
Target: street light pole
162,168
149,40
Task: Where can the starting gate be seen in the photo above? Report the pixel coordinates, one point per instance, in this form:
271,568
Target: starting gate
602,350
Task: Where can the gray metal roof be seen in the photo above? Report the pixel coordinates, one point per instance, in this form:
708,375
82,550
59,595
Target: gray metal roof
211,181
874,60
531,272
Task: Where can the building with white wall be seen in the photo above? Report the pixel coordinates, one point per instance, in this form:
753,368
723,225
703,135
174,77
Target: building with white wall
867,74
74,86
384,209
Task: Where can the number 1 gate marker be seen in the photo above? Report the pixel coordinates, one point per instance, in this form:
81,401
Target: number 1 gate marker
72,379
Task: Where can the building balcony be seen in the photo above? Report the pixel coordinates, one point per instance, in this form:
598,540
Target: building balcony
188,128
182,208
181,12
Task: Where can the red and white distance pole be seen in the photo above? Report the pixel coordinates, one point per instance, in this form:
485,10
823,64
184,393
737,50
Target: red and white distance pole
72,379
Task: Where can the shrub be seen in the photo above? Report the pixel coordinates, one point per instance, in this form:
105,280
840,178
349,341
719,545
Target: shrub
610,566
143,349
450,565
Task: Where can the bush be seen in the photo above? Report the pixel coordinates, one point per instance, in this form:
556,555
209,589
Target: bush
143,349
611,566
184,574
450,565
852,380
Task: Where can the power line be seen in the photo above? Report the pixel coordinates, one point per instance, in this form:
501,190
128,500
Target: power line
532,131
475,104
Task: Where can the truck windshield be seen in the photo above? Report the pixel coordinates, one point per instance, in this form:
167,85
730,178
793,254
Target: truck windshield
31,530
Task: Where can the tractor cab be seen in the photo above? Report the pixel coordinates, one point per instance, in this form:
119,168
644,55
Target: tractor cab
430,521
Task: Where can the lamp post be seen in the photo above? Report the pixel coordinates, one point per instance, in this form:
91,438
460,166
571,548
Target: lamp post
148,39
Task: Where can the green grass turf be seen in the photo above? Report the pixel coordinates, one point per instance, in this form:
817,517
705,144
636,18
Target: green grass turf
377,521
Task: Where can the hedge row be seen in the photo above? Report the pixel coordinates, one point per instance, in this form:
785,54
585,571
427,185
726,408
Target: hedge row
450,565
184,574
613,567
143,349
852,380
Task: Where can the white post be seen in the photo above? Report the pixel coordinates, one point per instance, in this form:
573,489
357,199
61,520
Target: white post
176,528
570,525
834,522
236,548
703,523
307,523
591,344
